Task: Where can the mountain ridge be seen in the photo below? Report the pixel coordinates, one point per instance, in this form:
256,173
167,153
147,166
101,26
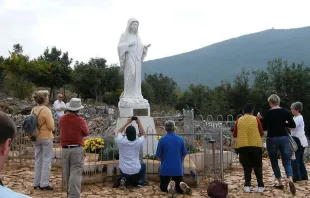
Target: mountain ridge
212,64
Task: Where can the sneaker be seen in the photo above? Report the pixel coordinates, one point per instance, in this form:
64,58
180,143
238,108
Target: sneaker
122,185
278,186
247,189
36,187
47,188
186,189
171,189
143,183
260,189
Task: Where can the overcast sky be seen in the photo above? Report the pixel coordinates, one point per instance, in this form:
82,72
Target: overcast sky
92,28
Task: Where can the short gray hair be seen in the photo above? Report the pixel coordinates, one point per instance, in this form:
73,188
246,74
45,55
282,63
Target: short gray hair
169,125
274,99
297,106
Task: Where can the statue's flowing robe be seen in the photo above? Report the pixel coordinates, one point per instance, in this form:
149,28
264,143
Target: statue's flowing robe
131,58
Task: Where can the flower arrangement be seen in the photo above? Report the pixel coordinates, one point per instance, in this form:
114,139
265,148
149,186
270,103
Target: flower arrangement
93,145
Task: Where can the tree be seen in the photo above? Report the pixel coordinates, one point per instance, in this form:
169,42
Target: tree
220,102
18,48
95,78
98,62
60,69
239,94
164,88
86,80
196,97
148,92
19,70
290,82
2,72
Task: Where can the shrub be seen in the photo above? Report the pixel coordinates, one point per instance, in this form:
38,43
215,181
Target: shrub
191,147
109,153
109,141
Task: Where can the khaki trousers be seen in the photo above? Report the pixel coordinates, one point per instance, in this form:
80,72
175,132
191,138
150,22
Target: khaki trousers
72,168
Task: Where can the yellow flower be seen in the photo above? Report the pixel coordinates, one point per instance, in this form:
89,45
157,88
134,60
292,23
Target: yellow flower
93,144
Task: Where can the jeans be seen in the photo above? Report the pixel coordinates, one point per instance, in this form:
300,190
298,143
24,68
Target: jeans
298,165
283,145
43,158
164,182
251,159
136,179
72,168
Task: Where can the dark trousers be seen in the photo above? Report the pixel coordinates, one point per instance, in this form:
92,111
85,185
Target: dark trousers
298,165
251,158
164,182
136,179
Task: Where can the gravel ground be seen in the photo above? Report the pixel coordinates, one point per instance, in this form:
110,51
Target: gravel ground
20,180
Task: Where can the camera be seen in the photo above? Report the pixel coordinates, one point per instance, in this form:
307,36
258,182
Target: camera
134,118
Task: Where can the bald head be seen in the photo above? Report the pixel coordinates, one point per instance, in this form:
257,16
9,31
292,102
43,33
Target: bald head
59,97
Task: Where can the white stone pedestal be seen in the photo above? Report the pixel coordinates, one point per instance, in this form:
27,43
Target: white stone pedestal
150,142
130,106
140,107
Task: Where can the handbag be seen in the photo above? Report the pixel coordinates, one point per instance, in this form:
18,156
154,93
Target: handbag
294,146
217,189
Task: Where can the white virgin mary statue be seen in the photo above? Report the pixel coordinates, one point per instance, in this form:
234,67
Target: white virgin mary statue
131,54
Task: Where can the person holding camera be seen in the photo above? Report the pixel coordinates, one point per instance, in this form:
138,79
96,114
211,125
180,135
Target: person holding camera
129,145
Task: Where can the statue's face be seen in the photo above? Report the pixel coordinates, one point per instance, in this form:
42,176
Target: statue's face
134,27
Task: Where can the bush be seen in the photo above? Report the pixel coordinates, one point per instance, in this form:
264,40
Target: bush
109,141
20,89
109,153
191,147
151,157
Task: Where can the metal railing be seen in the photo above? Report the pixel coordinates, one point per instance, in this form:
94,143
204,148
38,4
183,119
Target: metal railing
209,143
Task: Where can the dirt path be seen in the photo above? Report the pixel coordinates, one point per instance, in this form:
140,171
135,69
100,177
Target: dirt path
20,180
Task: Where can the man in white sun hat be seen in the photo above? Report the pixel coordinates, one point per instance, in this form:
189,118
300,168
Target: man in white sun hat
73,129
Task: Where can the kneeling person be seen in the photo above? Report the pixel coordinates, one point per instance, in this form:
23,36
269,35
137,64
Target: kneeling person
171,151
132,171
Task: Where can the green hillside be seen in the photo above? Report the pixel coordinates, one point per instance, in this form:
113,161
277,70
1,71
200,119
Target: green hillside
222,61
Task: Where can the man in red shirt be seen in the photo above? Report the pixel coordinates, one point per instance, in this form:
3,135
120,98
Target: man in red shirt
73,129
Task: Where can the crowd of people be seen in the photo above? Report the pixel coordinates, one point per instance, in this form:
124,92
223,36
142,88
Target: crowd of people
284,130
73,130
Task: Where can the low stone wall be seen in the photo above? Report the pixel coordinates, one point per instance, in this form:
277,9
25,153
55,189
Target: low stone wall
199,159
103,171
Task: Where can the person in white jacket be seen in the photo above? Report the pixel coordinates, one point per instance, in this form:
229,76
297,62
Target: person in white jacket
298,164
59,106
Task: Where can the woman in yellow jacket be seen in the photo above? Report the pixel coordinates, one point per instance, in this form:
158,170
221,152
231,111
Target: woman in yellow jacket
44,141
248,131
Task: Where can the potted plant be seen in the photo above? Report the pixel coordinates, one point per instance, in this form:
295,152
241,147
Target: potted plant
92,148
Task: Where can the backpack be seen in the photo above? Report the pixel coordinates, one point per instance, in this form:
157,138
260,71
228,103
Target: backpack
217,189
30,124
